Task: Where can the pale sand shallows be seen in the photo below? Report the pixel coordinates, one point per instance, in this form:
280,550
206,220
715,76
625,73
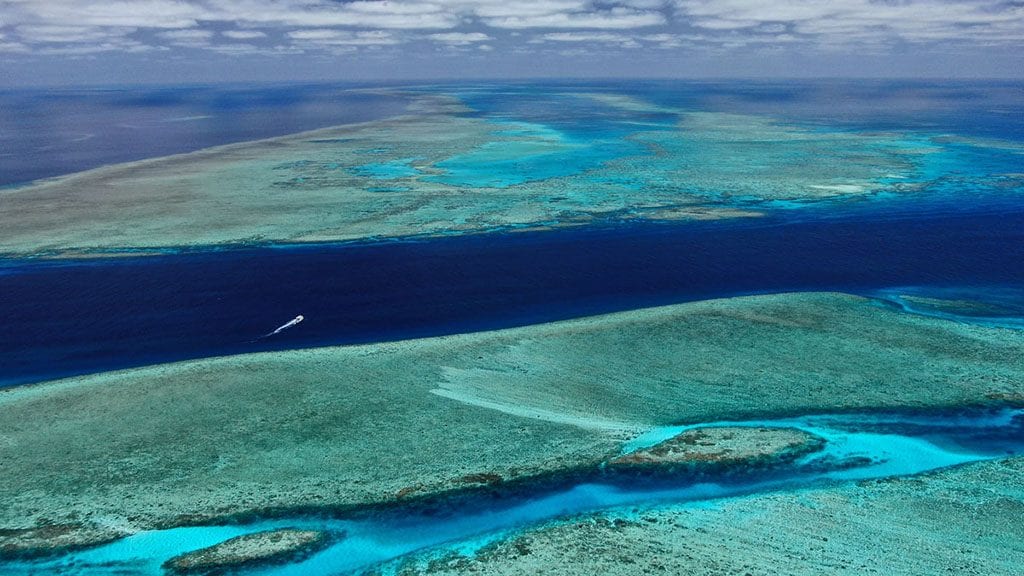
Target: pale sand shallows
191,441
964,521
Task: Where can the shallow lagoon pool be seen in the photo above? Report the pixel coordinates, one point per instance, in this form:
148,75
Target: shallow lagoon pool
858,447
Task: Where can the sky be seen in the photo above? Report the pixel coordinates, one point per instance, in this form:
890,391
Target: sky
68,42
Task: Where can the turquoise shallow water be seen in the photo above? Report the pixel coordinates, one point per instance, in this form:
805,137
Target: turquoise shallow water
528,152
659,144
859,446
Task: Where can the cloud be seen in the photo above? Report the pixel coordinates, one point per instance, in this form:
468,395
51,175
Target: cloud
243,34
625,40
68,34
13,47
137,13
187,34
616,18
322,13
236,49
585,37
772,28
847,21
379,14
311,23
332,37
520,8
331,26
244,49
399,14
187,38
459,38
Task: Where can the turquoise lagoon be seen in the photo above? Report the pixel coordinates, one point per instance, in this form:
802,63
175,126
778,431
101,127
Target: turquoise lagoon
858,447
401,168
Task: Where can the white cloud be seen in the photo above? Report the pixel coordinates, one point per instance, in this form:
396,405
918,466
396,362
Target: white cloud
586,37
333,26
459,38
522,8
243,34
724,24
239,49
188,37
138,13
616,18
243,49
187,34
332,37
663,41
318,13
68,34
127,46
399,14
378,14
865,20
15,47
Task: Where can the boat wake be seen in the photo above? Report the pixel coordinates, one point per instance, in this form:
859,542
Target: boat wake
293,322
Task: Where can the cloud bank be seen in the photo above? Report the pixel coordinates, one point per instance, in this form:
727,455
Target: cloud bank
189,28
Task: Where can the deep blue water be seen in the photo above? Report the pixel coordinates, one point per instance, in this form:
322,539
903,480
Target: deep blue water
45,133
75,317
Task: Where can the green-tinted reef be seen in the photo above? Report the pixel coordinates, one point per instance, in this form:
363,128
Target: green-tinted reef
964,520
250,550
88,458
722,447
442,170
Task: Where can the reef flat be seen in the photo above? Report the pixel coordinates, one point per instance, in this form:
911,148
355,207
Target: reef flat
722,447
964,520
250,550
188,443
445,168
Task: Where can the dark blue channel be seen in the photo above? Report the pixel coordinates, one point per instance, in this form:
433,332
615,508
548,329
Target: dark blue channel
77,317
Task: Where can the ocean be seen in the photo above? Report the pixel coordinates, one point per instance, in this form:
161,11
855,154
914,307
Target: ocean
65,316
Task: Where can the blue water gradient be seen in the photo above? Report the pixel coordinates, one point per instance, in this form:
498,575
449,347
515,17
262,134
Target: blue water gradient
72,317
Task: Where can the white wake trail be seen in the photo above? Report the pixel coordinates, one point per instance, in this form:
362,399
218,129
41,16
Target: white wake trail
283,327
